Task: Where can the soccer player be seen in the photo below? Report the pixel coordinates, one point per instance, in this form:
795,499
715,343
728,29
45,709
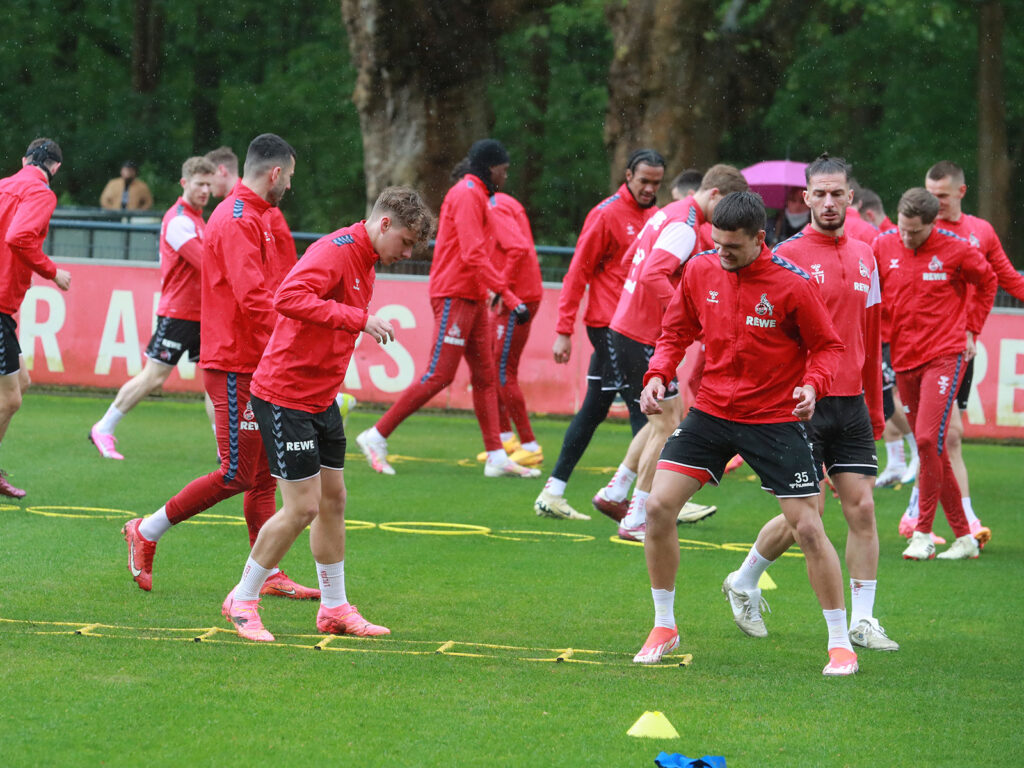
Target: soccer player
177,315
847,420
656,260
926,271
945,180
686,184
609,229
323,306
463,283
236,320
771,350
26,204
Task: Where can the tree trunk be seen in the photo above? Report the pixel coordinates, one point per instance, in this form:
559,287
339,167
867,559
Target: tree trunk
993,154
206,69
147,21
421,90
680,78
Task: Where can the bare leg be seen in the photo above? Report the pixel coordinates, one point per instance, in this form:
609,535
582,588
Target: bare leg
855,495
301,506
10,400
659,428
823,569
669,492
149,379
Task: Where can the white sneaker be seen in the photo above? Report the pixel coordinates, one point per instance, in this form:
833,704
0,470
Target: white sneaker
890,475
694,513
920,547
911,474
376,452
746,608
509,469
868,633
549,505
962,548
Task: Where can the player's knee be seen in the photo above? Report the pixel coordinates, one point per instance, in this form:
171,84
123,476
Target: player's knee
10,401
860,515
660,511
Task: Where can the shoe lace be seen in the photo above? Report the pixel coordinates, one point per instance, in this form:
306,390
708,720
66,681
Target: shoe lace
752,609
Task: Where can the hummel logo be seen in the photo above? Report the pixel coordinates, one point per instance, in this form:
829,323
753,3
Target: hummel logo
894,263
712,297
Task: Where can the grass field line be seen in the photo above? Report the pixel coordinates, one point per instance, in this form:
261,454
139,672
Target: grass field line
339,643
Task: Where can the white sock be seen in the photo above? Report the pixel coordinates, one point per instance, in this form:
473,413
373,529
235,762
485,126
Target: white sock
969,510
894,456
837,632
213,428
664,607
862,600
497,458
531,446
109,421
637,514
555,487
618,488
506,436
156,525
252,581
332,584
909,437
375,435
750,572
912,504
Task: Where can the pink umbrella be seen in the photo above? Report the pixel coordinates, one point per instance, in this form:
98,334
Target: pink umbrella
772,178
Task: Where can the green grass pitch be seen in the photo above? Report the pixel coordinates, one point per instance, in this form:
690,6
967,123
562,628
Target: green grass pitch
482,597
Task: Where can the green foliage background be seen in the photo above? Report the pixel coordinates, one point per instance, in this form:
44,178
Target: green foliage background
889,84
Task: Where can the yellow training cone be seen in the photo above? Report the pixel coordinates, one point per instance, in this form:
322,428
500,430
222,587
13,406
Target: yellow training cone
653,725
766,582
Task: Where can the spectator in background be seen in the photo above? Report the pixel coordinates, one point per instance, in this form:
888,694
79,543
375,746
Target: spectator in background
793,217
127,192
177,316
26,204
686,184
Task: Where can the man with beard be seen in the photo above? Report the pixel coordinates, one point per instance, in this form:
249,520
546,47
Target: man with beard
847,421
236,321
609,229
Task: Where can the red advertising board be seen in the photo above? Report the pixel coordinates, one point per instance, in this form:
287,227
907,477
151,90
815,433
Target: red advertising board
94,336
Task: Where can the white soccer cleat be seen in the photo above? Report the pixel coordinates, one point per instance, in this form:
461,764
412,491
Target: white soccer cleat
920,547
550,505
509,469
376,452
694,513
868,633
890,475
746,608
963,548
911,474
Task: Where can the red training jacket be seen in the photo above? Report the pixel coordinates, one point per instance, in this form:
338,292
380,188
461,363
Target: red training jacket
655,262
26,204
181,261
609,229
238,308
926,291
982,236
284,254
766,332
323,305
857,228
847,277
465,242
516,255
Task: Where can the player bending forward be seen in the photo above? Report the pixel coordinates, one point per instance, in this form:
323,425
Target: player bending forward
771,351
322,305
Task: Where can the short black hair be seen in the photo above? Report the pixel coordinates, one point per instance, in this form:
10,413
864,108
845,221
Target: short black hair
688,179
740,211
824,163
945,168
870,201
266,151
649,157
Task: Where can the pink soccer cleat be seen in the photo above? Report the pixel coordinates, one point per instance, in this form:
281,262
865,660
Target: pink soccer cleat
345,620
245,616
616,510
6,489
633,533
734,463
104,444
909,524
279,585
662,640
140,554
841,663
981,533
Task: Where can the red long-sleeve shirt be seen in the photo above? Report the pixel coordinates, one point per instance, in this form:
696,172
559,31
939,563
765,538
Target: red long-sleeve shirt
322,305
847,278
516,255
284,254
766,331
857,228
26,204
982,236
926,291
609,229
181,261
237,315
462,265
655,263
